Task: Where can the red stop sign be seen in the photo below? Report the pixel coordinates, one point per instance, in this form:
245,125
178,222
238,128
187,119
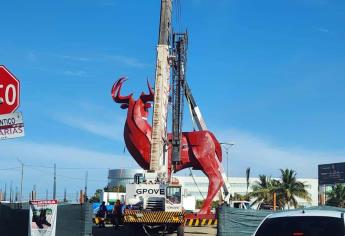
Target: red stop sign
9,91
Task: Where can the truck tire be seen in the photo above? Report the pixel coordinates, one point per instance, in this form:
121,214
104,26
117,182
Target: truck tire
180,230
171,228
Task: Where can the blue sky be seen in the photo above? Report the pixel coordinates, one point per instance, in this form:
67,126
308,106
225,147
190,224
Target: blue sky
267,75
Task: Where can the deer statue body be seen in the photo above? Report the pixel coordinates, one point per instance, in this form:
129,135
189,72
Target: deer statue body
199,149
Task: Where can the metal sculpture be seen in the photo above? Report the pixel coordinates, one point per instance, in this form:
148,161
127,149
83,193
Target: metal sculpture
199,149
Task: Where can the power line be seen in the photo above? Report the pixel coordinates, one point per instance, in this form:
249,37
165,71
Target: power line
58,168
68,177
69,168
10,168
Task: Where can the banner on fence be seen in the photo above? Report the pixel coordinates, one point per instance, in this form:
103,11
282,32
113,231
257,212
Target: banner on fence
42,218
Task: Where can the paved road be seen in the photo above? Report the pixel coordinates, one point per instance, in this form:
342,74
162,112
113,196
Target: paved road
199,231
125,231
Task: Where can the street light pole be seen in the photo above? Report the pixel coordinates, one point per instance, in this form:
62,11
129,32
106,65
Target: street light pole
21,180
54,185
227,146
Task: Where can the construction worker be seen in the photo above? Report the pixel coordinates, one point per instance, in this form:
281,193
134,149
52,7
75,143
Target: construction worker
117,214
101,214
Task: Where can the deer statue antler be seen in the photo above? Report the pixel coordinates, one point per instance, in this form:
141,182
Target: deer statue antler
116,90
147,97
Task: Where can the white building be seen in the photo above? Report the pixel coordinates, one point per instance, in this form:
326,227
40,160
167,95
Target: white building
199,187
239,185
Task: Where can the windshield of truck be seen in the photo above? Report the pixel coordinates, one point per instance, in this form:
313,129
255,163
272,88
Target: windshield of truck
302,226
247,205
174,195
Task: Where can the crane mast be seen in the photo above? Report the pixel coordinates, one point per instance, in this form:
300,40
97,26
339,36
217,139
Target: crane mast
159,142
179,48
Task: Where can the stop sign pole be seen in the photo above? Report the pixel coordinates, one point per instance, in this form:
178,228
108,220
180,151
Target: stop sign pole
9,91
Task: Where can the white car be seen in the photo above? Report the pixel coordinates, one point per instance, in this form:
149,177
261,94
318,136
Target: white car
303,223
240,204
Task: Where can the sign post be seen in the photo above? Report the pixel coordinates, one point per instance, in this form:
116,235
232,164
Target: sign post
329,174
11,126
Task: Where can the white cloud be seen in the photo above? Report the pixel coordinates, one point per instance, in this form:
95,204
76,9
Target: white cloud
111,130
323,30
266,157
79,73
129,61
34,154
125,60
109,125
74,58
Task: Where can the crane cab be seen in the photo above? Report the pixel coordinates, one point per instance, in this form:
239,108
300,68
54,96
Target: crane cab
147,193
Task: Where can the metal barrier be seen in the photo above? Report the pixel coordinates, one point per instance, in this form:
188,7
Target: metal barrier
72,219
238,222
243,222
14,219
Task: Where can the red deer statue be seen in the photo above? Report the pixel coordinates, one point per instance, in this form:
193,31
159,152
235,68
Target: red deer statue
199,148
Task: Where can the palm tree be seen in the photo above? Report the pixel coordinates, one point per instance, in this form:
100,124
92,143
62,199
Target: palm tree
247,178
262,190
336,197
289,188
240,197
286,190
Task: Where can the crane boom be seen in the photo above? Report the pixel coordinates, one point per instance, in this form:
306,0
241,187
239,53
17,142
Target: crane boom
159,143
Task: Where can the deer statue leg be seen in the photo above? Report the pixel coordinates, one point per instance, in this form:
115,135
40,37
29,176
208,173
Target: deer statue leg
203,148
215,182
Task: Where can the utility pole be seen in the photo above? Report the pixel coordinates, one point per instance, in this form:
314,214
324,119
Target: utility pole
54,186
274,201
11,192
86,179
34,192
21,183
16,194
65,195
5,193
21,179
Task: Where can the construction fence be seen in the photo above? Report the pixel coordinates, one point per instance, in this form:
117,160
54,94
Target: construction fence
72,219
242,222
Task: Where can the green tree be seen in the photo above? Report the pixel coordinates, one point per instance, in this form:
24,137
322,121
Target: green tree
336,197
240,197
118,189
262,190
97,196
289,188
200,203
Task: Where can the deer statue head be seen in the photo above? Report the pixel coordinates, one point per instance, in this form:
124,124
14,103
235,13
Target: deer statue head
139,106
